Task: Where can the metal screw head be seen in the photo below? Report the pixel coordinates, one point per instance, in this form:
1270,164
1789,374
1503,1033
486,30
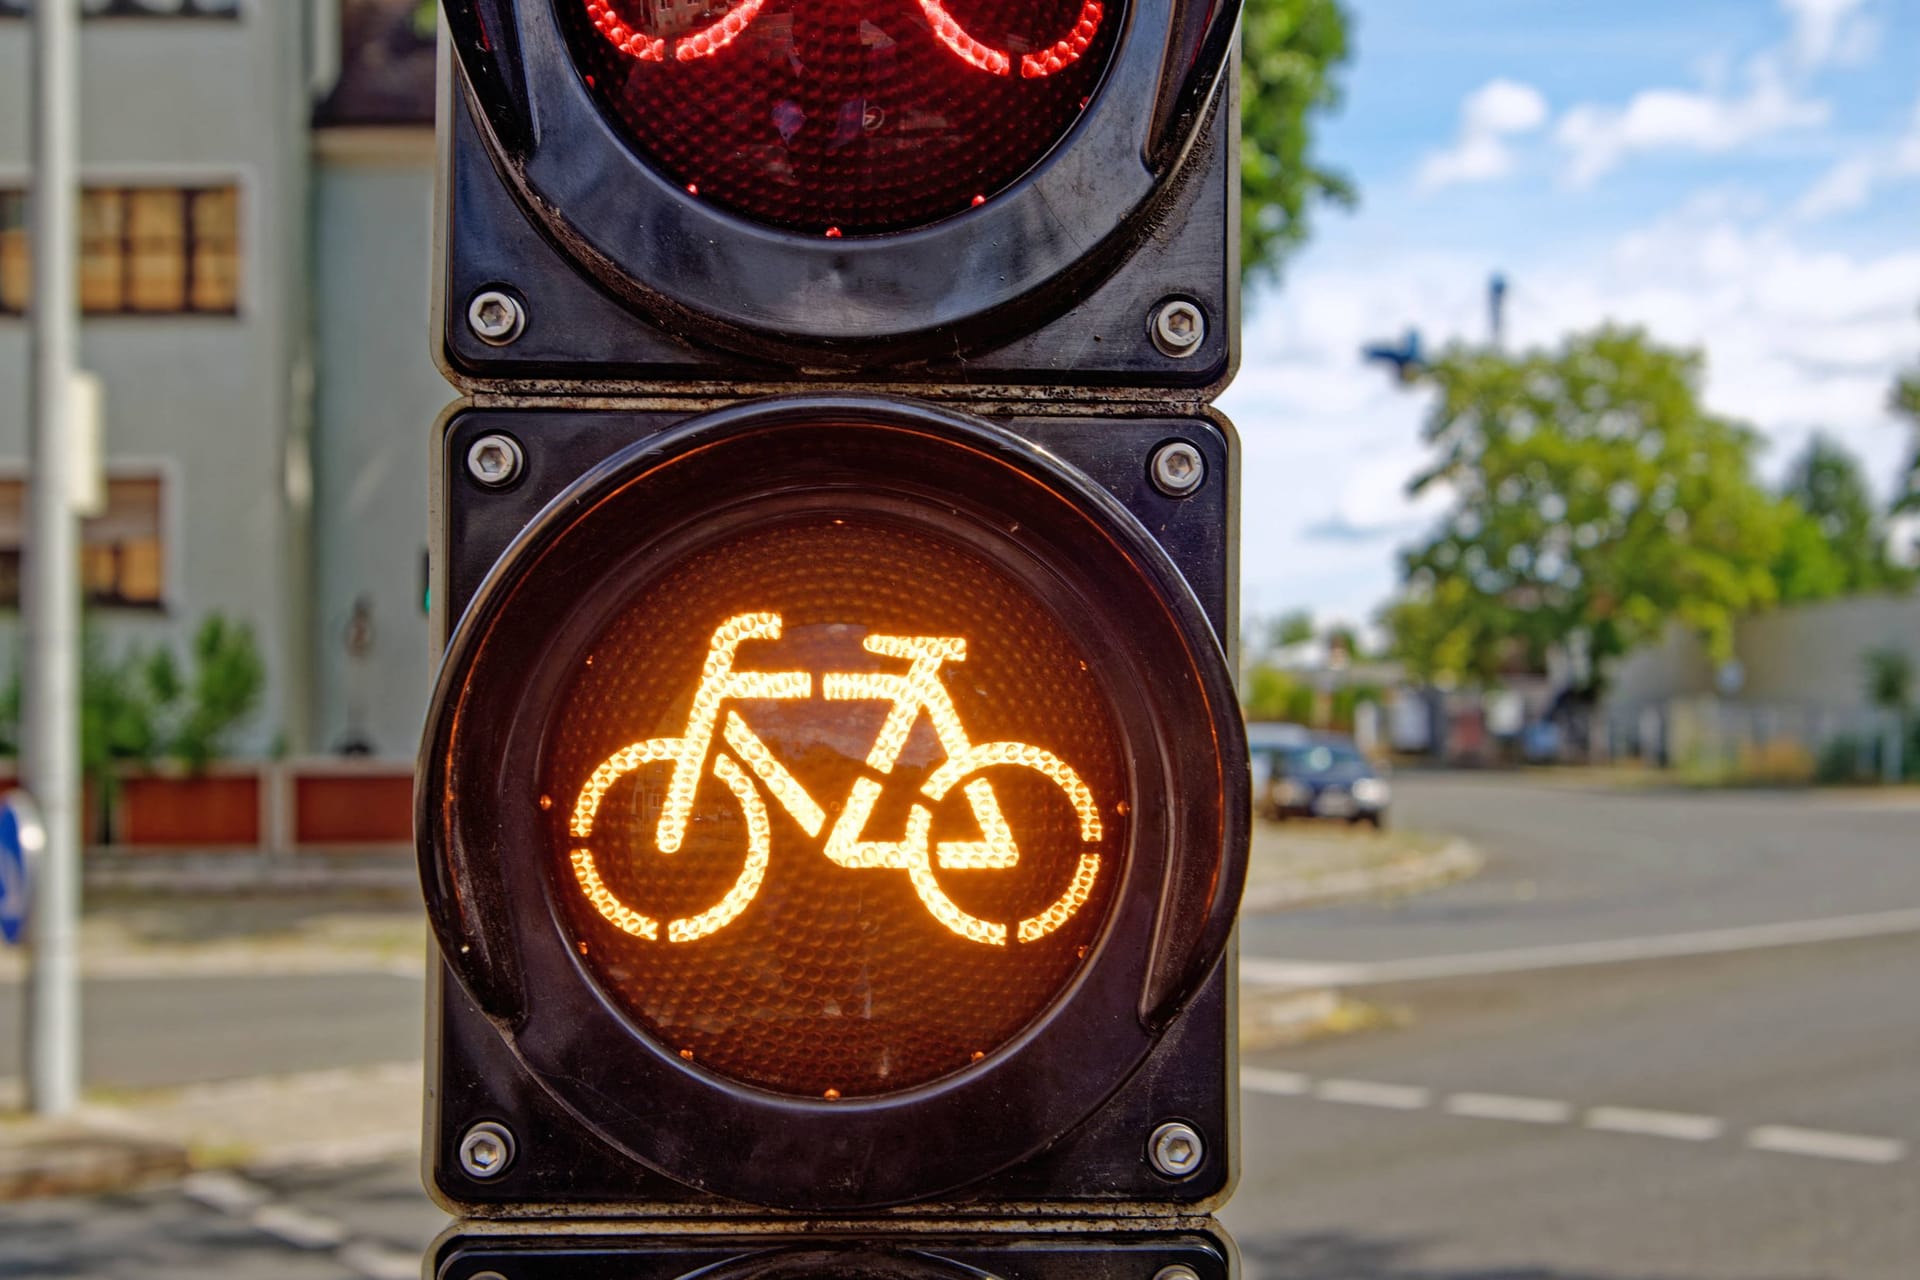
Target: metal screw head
1177,469
496,318
1172,1271
495,460
486,1150
1178,328
1176,1150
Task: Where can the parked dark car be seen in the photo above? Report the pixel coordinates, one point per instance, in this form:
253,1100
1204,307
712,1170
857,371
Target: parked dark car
1326,778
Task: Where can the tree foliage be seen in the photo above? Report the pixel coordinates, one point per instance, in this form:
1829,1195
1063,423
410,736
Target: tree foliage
139,707
1906,403
1291,52
1840,547
1594,500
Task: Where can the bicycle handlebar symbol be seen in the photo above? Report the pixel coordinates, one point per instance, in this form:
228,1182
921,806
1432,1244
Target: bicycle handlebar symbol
746,760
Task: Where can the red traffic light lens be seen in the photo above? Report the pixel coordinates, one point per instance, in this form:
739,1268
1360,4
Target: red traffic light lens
842,116
836,805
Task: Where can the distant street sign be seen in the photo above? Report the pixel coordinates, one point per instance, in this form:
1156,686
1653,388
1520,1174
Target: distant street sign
21,839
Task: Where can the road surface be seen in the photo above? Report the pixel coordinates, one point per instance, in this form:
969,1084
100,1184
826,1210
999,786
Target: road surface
1740,1101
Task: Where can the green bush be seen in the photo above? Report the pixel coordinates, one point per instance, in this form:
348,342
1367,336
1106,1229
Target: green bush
1841,761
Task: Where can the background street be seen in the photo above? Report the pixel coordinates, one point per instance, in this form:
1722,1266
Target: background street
1738,1103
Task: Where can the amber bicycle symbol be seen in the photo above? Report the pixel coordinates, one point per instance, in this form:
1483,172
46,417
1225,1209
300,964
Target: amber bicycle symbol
746,759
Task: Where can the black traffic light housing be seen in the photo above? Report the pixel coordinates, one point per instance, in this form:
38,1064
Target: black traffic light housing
639,364
1055,285
1064,1125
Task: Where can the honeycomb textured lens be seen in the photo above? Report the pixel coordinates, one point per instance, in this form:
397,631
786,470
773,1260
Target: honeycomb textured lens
842,117
835,806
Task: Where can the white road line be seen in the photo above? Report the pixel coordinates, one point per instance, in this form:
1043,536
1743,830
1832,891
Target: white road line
293,1225
1831,1146
1681,1125
1284,1083
1706,942
378,1261
1506,1106
1369,1093
224,1192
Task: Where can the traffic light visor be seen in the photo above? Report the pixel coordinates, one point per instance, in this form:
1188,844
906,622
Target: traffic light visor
834,802
842,117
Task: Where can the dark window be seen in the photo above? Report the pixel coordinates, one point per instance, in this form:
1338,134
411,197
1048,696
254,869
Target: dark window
122,552
136,8
143,250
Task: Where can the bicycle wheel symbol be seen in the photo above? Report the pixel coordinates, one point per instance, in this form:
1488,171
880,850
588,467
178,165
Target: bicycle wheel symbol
746,766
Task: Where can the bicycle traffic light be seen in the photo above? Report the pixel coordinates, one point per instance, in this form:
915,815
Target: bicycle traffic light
833,806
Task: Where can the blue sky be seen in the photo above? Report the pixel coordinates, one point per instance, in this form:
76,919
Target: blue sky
1741,176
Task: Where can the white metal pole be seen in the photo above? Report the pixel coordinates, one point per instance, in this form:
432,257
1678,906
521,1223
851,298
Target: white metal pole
50,612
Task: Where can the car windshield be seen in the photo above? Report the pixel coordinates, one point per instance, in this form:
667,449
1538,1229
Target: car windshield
1321,757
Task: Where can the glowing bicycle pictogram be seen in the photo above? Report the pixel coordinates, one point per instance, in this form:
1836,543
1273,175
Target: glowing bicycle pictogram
717,35
747,758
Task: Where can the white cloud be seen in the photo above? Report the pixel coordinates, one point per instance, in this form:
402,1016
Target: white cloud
1851,181
1708,119
1798,336
1906,152
1491,114
1831,31
1841,189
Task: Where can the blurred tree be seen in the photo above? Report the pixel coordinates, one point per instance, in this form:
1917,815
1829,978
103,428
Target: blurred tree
1269,693
1290,50
1594,500
1906,403
1291,628
1840,548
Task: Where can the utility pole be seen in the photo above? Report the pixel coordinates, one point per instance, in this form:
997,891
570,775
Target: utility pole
50,611
1497,310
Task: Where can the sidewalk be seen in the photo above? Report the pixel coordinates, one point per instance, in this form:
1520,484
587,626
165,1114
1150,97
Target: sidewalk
373,1113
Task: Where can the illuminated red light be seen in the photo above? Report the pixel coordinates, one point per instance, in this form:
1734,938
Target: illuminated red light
861,115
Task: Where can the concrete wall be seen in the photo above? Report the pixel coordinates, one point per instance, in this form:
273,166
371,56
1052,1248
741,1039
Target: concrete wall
211,399
1806,656
378,398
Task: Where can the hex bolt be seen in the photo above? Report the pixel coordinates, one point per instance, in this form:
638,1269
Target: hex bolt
1177,469
1178,328
1176,1150
495,461
486,1150
496,318
1172,1271
495,1275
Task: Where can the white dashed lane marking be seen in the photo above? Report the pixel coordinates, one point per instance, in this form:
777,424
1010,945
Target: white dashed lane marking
1788,1140
239,1197
1367,1093
1679,1125
1502,1106
1674,1126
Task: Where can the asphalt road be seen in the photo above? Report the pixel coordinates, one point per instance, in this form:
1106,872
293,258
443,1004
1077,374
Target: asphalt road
1749,1113
141,1033
1746,1114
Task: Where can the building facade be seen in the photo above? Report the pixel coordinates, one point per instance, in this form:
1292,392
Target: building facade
256,219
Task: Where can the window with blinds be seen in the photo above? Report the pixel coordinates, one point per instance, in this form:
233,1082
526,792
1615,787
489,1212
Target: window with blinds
122,550
143,251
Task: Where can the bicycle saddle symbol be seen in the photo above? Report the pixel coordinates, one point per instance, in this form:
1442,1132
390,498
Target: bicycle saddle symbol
745,759
717,35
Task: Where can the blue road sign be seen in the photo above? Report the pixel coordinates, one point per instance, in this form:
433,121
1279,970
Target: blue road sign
21,839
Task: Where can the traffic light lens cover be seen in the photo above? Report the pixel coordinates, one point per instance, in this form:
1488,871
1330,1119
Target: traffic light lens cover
842,117
835,805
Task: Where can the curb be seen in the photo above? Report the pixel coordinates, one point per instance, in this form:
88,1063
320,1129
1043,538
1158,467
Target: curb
1455,860
80,1158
